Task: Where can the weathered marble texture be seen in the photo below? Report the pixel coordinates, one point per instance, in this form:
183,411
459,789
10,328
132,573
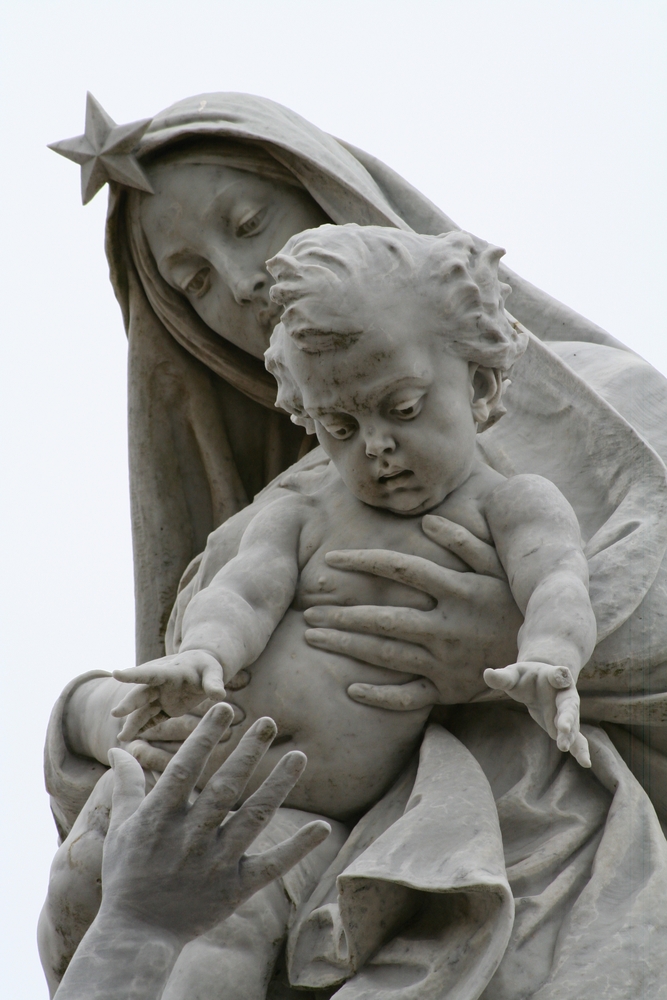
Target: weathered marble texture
494,819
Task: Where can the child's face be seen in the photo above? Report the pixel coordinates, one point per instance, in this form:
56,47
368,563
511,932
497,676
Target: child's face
394,412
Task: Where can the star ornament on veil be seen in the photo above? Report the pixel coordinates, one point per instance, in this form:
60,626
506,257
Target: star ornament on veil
105,152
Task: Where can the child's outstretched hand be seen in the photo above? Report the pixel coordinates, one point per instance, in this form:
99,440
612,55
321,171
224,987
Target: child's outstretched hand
551,696
173,684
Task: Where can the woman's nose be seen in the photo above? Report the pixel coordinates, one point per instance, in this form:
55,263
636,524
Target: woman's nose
245,283
378,442
246,288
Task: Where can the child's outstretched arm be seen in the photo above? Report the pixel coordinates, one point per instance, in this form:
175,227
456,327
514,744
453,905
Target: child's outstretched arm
227,624
538,541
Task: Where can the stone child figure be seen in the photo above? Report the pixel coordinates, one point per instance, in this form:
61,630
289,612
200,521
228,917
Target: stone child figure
392,348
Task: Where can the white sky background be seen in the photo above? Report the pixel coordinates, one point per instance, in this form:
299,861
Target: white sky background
538,125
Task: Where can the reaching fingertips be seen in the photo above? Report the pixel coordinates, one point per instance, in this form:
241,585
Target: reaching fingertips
581,751
560,677
564,741
502,679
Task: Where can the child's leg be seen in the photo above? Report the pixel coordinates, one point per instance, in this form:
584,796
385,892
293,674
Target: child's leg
235,960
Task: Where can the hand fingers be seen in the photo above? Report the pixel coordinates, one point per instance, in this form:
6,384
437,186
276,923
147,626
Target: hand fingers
581,751
136,721
261,869
177,729
226,786
481,557
151,758
129,787
148,673
503,678
390,653
396,697
399,623
213,682
137,698
559,677
567,718
181,773
243,828
414,571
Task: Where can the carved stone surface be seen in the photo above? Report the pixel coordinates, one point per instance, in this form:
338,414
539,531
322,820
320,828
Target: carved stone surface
441,572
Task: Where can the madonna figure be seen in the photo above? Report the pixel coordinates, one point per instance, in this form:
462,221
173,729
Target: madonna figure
494,865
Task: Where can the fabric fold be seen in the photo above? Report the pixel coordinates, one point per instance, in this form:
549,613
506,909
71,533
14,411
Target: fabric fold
418,903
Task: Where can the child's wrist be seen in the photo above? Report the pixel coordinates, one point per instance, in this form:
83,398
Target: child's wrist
191,645
564,657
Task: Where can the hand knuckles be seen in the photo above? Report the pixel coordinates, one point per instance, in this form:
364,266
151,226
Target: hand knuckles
386,652
180,772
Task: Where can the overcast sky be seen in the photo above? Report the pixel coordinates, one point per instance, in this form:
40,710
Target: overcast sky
538,125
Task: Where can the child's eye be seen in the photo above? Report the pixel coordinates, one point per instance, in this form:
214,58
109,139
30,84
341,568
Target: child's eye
199,285
340,431
409,409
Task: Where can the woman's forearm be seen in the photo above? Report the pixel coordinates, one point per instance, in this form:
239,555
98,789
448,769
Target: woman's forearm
90,729
120,958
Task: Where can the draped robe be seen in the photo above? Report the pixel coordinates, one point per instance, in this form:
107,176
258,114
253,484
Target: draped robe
495,866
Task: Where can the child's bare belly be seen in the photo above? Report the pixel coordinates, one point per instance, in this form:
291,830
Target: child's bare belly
354,752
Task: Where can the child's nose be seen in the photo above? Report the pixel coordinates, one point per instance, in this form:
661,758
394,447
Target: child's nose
378,442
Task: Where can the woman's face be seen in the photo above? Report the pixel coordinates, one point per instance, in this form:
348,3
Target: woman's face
210,229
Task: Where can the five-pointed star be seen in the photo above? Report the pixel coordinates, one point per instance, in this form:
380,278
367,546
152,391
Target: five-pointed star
104,151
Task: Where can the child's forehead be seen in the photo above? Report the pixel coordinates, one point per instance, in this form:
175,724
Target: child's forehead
352,377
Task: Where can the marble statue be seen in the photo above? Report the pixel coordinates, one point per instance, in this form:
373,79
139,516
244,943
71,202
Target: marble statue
170,870
426,610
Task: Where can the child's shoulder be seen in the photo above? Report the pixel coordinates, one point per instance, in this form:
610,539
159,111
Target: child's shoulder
466,505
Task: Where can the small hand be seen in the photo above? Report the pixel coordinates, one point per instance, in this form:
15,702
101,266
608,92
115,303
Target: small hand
181,868
551,696
172,685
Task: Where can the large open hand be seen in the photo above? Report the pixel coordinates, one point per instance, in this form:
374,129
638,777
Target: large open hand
181,867
173,868
473,626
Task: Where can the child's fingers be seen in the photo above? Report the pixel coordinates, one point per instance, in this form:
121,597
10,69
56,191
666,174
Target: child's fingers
213,681
580,750
138,698
560,677
136,721
502,679
152,673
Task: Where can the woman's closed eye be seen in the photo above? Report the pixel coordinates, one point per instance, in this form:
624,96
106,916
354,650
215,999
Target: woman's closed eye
408,409
200,283
251,224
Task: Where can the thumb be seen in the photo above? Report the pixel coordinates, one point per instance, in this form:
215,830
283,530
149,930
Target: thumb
129,787
212,681
502,679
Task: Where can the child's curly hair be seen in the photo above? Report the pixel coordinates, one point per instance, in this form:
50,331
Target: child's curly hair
329,279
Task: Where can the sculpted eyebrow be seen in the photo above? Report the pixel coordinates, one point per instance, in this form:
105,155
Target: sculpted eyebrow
177,257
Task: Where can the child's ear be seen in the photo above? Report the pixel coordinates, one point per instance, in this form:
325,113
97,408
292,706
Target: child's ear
486,389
